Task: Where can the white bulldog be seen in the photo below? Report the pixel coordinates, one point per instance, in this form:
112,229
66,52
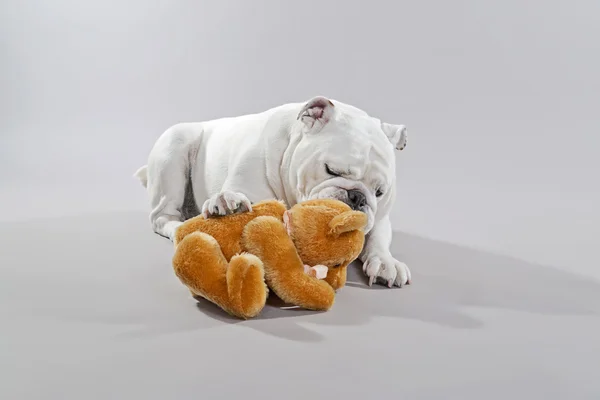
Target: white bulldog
319,149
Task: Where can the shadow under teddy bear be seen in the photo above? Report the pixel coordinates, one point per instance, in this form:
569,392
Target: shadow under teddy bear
447,279
110,279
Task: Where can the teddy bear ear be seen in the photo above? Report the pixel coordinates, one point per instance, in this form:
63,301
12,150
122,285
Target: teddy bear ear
347,221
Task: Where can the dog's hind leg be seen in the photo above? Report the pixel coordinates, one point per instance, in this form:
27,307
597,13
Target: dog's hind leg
167,176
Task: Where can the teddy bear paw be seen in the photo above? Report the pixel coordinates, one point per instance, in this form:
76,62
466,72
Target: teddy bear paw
318,271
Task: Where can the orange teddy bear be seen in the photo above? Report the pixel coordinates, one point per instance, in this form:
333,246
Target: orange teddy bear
233,260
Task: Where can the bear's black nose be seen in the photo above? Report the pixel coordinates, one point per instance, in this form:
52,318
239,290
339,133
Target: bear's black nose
356,200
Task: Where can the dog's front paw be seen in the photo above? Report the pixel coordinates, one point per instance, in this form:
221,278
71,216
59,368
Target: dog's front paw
224,203
386,269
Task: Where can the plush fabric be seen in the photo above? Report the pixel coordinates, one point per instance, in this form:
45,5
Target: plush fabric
233,260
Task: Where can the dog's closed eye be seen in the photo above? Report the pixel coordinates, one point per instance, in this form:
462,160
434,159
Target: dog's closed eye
330,171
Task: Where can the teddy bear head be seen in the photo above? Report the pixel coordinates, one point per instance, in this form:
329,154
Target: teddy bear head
327,232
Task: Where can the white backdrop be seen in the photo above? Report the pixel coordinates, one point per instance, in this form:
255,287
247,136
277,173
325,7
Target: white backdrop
500,98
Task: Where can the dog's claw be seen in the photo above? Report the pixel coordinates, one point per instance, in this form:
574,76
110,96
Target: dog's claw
226,203
387,270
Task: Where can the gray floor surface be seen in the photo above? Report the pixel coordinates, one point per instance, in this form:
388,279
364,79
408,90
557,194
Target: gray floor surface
90,309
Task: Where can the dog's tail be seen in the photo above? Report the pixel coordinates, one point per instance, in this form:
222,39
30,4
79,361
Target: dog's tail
142,175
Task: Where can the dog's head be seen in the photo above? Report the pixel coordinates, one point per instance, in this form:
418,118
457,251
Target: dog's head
347,155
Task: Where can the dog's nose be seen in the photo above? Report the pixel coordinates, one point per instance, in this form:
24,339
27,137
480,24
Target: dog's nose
356,199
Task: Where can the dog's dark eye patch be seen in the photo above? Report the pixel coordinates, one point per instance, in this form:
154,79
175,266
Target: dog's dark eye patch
379,193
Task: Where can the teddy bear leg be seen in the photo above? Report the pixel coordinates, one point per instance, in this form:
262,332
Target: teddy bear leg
238,288
246,285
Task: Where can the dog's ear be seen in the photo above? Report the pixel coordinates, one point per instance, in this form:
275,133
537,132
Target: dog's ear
316,113
396,134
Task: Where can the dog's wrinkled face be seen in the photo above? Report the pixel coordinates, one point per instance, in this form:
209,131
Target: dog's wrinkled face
345,154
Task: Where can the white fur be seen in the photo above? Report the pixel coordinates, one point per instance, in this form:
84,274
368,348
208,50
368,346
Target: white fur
281,153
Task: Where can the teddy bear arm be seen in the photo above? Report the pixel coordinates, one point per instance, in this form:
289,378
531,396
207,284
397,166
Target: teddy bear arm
336,277
267,238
